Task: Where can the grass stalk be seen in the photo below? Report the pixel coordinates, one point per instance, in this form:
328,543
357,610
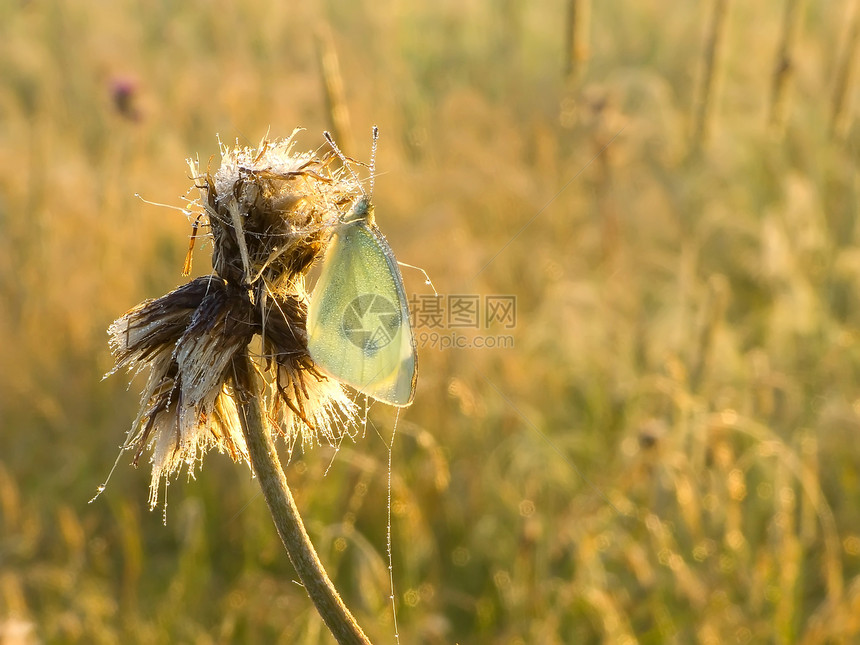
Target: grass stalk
578,45
710,59
335,94
282,506
840,114
784,67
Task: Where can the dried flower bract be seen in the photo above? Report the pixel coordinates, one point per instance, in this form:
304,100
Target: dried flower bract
268,213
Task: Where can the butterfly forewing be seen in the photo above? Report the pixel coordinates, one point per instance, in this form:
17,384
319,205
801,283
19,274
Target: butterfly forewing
358,322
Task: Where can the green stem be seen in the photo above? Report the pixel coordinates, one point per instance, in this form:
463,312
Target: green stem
288,522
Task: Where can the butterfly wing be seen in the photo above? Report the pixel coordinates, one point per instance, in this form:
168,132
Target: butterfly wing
358,320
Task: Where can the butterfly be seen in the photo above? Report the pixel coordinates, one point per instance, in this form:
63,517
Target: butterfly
358,319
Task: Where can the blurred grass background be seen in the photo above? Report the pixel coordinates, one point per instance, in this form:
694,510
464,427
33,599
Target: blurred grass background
687,319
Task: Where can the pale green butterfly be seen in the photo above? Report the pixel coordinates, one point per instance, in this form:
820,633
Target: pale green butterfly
358,319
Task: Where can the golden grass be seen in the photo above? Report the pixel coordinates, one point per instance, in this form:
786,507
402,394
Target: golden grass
686,332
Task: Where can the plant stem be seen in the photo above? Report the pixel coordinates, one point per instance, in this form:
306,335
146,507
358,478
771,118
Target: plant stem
578,47
335,94
840,115
710,62
784,67
288,522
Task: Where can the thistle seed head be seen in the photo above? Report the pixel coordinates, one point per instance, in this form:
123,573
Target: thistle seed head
268,213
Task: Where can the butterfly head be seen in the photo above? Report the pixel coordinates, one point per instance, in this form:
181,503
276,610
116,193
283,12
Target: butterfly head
362,209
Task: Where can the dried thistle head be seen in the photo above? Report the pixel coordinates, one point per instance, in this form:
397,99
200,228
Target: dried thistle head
268,212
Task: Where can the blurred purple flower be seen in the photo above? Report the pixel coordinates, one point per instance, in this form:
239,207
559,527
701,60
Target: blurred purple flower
123,91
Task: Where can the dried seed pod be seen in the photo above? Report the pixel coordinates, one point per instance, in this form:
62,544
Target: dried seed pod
268,212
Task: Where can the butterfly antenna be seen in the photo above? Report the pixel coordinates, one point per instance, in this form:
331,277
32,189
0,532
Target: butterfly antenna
373,158
343,159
